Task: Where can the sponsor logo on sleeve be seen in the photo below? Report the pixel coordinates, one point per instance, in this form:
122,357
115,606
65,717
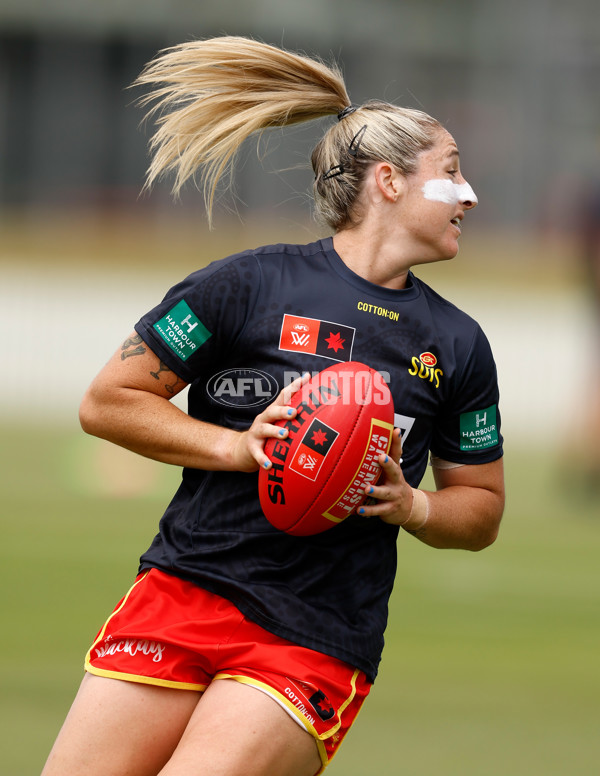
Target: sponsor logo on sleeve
479,429
183,331
319,338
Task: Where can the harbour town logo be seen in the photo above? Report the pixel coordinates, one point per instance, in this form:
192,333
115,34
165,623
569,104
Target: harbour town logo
479,429
182,331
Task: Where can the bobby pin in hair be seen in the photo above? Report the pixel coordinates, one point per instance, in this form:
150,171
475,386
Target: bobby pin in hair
353,149
356,141
333,172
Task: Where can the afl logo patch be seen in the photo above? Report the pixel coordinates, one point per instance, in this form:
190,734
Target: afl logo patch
242,388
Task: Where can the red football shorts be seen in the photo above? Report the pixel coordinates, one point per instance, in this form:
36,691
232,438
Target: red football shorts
172,633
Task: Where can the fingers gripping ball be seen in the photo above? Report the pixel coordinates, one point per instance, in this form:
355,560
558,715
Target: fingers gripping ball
344,421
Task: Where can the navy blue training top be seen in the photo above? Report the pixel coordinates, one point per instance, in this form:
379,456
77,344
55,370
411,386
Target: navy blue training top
238,331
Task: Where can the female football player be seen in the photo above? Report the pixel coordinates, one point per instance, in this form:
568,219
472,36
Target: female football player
240,649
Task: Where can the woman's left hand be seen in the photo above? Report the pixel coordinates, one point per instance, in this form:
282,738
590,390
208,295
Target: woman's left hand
393,494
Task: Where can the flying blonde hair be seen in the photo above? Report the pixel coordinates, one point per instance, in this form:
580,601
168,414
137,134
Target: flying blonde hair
210,95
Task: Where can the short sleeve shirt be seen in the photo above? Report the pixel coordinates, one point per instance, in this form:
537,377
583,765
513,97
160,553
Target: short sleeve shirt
241,329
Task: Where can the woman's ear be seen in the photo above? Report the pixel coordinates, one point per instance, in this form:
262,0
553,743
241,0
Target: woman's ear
389,181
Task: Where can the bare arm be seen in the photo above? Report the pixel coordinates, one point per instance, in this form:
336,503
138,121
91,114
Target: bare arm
128,403
463,513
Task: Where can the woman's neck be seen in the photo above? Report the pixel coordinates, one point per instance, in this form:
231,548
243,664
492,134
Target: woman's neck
374,260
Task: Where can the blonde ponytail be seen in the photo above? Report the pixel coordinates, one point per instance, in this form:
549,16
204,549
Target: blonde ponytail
210,95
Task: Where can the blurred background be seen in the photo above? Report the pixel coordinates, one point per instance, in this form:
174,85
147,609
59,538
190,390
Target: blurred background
491,664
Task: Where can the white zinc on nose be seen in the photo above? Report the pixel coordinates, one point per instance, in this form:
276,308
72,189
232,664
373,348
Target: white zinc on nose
443,190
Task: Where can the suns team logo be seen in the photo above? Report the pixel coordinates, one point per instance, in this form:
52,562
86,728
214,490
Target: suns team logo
428,359
319,338
425,367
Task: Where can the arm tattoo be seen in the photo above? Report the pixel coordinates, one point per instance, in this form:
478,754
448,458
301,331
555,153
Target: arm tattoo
162,367
137,351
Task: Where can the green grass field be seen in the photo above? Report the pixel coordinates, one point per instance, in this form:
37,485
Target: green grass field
492,660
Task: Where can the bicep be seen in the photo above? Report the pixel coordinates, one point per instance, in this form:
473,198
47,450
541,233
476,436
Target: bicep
487,476
135,366
471,500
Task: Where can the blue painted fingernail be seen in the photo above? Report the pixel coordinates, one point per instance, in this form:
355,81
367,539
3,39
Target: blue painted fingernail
290,412
282,432
361,511
267,464
370,489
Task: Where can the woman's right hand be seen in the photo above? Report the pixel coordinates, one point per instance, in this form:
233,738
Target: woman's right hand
249,449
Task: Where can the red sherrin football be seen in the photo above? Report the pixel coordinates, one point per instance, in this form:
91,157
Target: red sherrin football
344,422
